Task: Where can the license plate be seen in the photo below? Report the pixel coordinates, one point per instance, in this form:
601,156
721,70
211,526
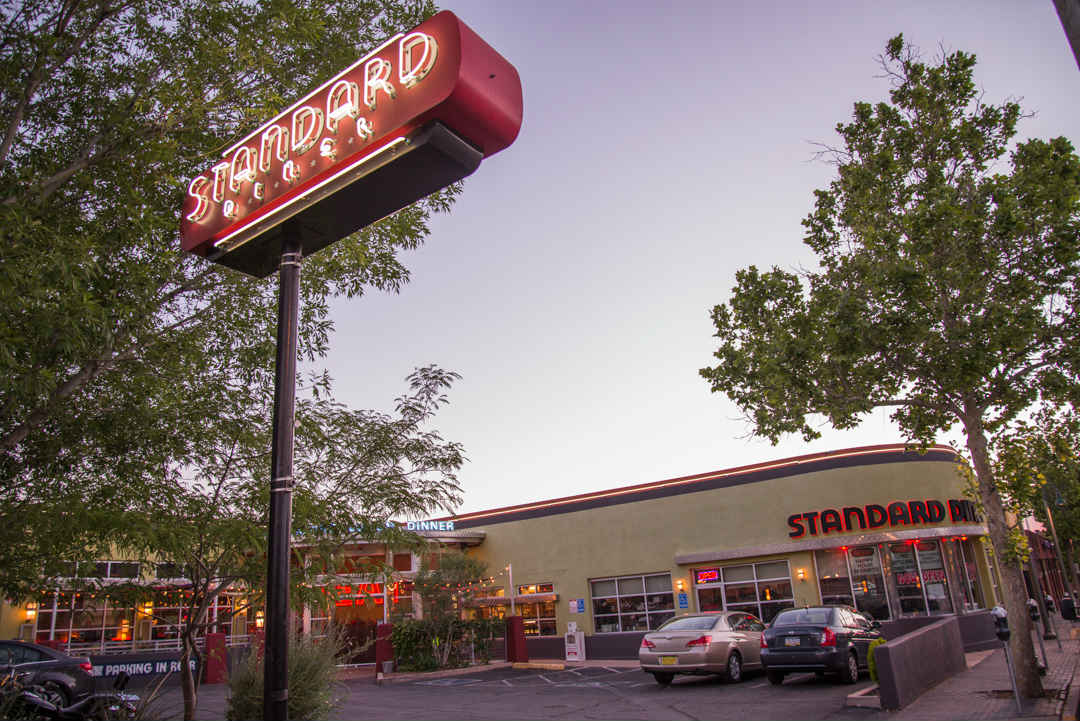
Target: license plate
668,660
792,641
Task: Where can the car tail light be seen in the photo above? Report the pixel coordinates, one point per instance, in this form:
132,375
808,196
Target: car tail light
700,641
85,666
828,638
646,643
764,643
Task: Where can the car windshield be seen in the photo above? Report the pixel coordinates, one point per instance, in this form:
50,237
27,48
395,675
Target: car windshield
689,623
804,616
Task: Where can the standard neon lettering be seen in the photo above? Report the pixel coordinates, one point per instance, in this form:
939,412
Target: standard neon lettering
267,159
871,516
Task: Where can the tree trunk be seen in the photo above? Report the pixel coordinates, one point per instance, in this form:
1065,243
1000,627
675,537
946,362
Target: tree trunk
187,680
1012,576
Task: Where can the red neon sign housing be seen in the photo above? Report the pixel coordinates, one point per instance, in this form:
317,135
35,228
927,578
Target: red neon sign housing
417,113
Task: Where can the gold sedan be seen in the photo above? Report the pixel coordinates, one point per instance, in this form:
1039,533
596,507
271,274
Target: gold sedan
708,643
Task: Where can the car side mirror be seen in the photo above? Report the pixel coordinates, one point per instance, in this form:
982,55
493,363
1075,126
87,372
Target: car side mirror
875,625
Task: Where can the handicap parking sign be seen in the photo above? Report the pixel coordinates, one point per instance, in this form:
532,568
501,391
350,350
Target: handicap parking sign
684,601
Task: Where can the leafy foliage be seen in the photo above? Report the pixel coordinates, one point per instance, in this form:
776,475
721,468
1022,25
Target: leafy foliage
871,661
313,693
948,283
123,361
444,637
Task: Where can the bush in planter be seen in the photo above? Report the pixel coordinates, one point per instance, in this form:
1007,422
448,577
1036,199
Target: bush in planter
313,692
871,661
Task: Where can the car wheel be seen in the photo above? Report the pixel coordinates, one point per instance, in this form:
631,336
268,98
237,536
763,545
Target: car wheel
851,673
55,694
775,677
664,679
733,672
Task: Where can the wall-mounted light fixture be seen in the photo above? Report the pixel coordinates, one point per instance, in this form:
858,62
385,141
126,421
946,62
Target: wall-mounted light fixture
801,573
680,584
31,611
260,619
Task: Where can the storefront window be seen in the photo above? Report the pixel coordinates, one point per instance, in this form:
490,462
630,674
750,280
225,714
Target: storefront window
631,603
971,588
761,589
868,583
934,578
833,577
903,575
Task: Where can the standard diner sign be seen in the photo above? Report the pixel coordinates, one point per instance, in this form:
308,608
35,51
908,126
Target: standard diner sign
416,114
895,514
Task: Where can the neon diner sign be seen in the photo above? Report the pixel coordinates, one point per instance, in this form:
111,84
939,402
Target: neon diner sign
358,119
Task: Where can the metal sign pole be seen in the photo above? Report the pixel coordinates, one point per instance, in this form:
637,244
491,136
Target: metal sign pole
276,658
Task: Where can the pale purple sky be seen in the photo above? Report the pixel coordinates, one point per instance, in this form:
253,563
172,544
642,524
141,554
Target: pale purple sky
664,147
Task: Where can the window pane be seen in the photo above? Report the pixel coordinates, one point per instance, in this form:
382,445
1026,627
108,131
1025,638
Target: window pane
776,569
124,570
101,570
547,609
631,604
606,624
402,562
740,593
738,573
630,585
605,605
774,590
656,584
710,599
603,588
868,583
547,628
656,620
934,578
635,622
527,610
660,601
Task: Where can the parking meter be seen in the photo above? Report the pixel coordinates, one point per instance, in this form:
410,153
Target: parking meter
1033,609
1001,623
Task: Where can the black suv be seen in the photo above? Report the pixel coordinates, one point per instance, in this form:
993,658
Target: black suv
63,678
818,638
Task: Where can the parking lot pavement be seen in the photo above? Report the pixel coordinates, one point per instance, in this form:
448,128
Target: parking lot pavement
598,692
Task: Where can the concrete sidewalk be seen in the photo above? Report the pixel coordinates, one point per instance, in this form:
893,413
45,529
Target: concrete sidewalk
984,691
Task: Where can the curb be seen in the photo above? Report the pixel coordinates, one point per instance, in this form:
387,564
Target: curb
406,676
865,698
540,666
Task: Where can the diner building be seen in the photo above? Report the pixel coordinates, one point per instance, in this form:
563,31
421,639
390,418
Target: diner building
885,529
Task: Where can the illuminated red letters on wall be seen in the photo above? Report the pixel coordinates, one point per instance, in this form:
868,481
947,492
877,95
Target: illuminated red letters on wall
895,514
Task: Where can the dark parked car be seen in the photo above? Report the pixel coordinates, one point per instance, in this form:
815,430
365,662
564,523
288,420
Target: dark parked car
822,639
63,678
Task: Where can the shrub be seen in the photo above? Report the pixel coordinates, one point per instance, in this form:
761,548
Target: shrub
871,661
313,693
420,645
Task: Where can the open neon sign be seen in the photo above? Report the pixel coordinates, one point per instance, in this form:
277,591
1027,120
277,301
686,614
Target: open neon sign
358,594
364,119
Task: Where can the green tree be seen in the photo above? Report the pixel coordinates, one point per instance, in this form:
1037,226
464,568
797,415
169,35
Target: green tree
354,472
115,347
445,589
1037,465
947,286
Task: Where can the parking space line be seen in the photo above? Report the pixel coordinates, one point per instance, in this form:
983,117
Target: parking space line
761,685
545,678
507,682
573,672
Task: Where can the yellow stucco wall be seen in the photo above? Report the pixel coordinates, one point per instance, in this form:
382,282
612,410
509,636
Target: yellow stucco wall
645,536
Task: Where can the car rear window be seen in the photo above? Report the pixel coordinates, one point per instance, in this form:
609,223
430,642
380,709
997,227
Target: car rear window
801,616
689,623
